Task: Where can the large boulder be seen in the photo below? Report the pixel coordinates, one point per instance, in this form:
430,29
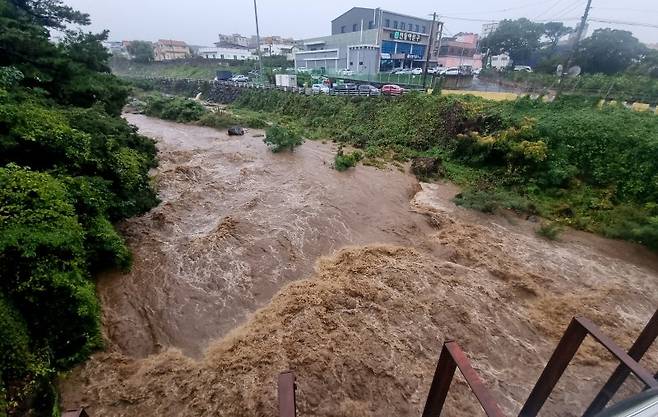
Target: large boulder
235,131
426,167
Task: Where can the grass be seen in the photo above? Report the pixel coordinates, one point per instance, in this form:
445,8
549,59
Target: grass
343,161
550,230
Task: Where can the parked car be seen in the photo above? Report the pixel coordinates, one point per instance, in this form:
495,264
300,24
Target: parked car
403,71
369,89
450,71
240,78
304,70
345,87
525,68
417,71
392,90
320,88
435,70
477,71
346,71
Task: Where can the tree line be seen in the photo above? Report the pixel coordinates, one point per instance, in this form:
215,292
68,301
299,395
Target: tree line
543,46
70,167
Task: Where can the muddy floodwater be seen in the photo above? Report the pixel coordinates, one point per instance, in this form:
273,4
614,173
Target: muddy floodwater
255,263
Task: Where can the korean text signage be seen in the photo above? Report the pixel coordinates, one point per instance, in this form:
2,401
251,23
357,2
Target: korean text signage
405,36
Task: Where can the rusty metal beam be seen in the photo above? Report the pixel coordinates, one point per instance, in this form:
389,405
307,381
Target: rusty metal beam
286,394
616,380
557,364
578,329
445,371
453,357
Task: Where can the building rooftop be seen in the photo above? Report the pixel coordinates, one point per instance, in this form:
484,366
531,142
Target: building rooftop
171,42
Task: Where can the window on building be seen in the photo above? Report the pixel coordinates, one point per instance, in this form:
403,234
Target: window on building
424,29
351,63
371,25
395,24
342,29
361,63
388,23
235,57
417,28
222,56
354,27
403,26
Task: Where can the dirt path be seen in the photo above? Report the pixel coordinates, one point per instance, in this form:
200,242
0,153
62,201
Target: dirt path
405,268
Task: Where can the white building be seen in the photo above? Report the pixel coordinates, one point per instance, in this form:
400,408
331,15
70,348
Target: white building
500,61
238,54
286,50
233,40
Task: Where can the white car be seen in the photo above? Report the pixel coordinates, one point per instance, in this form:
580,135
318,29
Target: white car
240,79
403,71
346,71
450,71
320,88
435,70
417,71
525,68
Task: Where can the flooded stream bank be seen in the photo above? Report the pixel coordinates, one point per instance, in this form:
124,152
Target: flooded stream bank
256,263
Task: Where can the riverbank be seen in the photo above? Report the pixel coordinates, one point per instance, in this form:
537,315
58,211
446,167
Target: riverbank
256,263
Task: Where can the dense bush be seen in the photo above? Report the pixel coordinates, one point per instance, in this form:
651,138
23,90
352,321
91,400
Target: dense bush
594,168
217,120
69,168
174,108
279,138
619,87
344,161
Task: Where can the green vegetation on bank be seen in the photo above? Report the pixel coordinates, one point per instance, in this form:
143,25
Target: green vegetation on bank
569,161
627,87
344,161
279,138
185,110
69,168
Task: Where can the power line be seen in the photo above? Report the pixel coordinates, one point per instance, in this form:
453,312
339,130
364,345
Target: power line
621,22
471,19
626,10
573,6
549,9
532,4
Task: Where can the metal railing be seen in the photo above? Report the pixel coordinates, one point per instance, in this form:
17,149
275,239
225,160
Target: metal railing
451,358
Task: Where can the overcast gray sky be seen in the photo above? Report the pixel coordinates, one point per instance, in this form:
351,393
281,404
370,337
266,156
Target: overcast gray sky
199,21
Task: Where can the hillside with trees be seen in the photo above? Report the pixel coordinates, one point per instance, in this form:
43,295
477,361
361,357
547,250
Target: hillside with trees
70,167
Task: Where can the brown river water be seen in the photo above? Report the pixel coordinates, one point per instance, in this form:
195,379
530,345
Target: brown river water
255,263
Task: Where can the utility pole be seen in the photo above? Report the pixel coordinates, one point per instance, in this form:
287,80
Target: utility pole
430,44
260,56
574,48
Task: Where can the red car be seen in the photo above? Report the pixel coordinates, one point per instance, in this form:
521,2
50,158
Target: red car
392,90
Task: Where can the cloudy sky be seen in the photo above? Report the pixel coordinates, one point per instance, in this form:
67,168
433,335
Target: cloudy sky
199,21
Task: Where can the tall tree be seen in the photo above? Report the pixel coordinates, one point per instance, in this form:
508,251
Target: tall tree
50,13
555,31
609,51
141,51
519,38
